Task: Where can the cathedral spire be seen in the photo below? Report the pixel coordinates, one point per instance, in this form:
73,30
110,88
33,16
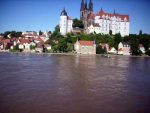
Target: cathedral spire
114,11
82,5
63,13
86,4
91,6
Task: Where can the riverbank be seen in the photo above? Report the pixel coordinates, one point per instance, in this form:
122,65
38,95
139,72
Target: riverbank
111,55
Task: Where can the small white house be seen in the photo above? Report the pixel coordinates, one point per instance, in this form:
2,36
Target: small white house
142,49
24,44
123,49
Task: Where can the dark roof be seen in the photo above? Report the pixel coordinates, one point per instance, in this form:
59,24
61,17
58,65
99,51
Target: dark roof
63,13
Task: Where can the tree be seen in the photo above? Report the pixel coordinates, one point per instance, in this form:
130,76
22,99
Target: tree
40,32
62,45
78,23
135,46
140,32
117,40
100,50
148,52
145,40
110,32
6,34
57,28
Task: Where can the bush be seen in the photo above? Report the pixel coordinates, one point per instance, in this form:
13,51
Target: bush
100,50
148,52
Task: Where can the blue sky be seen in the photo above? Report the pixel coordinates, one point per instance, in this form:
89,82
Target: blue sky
35,15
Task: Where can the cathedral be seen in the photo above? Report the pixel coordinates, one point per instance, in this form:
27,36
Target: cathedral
103,22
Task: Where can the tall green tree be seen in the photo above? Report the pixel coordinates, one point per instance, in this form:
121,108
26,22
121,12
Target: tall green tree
135,46
77,23
110,32
117,40
40,32
140,32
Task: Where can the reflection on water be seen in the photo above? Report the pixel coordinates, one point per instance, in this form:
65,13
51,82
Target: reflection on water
31,83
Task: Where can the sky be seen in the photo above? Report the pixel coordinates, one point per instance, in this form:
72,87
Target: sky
35,15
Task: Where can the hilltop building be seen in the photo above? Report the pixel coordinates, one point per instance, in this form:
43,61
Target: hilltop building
65,23
103,22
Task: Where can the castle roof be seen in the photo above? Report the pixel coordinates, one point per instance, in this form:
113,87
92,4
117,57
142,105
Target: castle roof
123,17
63,13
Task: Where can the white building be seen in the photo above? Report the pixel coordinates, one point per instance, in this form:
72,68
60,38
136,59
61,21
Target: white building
65,23
142,49
24,44
124,49
117,23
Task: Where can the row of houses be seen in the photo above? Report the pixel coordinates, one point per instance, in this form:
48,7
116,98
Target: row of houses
89,47
24,44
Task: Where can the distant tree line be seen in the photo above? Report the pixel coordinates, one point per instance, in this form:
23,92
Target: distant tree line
8,34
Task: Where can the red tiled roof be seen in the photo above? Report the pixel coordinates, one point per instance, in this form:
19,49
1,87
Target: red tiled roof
86,43
101,13
6,41
39,39
22,41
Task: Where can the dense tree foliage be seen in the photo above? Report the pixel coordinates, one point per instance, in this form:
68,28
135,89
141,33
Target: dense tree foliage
100,50
40,32
9,34
77,23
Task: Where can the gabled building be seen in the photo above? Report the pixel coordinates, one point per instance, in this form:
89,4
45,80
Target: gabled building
124,49
85,47
24,44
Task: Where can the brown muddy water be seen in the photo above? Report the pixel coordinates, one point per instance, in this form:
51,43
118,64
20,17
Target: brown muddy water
42,83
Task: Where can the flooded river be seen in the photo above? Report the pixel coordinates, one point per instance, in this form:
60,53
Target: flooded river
42,83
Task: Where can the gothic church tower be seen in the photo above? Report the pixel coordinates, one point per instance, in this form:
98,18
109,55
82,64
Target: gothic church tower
85,10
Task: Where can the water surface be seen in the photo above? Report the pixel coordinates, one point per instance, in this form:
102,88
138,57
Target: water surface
42,83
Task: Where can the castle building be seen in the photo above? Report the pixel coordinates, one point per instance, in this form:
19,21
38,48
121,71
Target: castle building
65,23
103,22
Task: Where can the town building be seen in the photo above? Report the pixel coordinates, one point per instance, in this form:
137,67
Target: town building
65,23
85,47
124,48
142,49
103,22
